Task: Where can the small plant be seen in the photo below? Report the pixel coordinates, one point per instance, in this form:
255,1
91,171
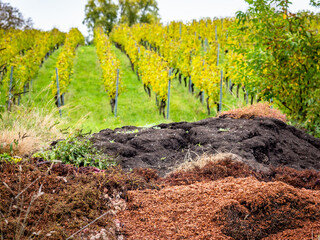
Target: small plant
77,151
129,132
8,158
224,130
9,147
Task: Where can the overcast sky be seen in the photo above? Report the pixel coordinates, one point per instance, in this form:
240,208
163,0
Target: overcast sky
65,14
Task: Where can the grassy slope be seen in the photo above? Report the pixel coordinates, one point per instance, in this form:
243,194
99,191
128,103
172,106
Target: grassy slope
40,93
87,104
143,110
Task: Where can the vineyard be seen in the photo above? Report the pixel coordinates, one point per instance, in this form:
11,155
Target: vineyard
207,129
213,59
21,57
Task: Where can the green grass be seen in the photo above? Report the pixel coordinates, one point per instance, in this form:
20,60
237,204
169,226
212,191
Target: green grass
137,108
87,103
40,95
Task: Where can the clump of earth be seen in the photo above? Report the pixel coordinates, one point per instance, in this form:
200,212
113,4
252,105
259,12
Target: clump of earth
260,142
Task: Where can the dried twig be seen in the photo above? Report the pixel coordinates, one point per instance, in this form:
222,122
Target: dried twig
87,225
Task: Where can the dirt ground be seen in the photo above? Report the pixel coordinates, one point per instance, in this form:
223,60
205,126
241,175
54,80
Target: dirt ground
261,142
218,178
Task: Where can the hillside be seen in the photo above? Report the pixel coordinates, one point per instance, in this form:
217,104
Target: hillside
179,157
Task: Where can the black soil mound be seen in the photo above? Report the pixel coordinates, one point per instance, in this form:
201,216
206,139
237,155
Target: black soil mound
261,142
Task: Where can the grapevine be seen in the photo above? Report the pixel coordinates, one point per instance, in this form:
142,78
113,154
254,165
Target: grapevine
109,64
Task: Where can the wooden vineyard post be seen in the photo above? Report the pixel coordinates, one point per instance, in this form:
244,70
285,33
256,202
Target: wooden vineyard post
221,81
206,47
216,33
190,80
206,44
58,92
137,73
169,88
117,91
247,97
202,97
62,99
10,88
218,54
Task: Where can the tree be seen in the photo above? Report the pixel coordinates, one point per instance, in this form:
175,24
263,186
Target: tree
138,11
100,13
105,12
284,58
11,17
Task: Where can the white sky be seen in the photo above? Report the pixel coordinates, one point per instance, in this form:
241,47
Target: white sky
65,14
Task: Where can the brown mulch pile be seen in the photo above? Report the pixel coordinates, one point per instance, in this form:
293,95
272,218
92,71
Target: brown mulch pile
227,167
231,208
224,199
43,201
254,110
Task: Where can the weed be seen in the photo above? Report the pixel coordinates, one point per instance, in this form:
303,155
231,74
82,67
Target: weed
129,132
224,130
76,151
26,129
8,158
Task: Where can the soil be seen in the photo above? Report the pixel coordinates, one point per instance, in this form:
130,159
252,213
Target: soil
261,142
263,184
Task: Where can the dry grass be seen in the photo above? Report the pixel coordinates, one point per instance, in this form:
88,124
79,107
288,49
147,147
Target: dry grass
25,130
255,110
203,160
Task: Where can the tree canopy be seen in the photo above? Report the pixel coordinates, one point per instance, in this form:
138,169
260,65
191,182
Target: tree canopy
106,13
11,17
100,13
138,11
284,57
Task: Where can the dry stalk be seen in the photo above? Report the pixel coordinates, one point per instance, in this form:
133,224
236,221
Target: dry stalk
87,225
